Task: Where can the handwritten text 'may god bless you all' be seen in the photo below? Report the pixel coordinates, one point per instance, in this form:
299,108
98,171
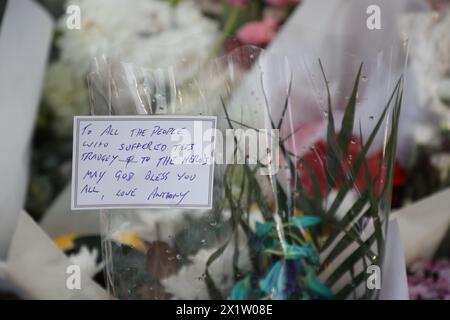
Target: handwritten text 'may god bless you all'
129,159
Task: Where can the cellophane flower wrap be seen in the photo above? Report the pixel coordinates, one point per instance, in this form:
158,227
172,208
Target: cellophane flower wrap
308,219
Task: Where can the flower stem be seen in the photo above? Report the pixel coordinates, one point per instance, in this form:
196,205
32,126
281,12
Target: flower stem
228,28
174,3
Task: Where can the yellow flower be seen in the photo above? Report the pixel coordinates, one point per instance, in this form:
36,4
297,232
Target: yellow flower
132,239
65,242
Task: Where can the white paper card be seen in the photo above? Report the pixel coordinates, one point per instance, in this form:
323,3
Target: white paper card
143,162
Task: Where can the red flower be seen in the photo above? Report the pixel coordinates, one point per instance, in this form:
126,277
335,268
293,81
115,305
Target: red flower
400,176
315,163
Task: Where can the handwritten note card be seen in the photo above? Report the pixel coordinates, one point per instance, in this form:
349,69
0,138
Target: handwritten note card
142,162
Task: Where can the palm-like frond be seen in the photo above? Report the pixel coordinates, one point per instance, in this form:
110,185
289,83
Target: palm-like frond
347,241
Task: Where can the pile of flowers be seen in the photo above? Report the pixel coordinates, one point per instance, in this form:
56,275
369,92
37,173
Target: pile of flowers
146,28
144,32
143,29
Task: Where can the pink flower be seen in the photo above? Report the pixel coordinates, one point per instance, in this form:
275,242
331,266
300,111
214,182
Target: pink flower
413,280
429,280
258,33
441,265
421,292
282,3
240,3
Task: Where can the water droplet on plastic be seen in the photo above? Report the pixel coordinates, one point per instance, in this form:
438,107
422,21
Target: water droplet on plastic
213,223
179,257
364,79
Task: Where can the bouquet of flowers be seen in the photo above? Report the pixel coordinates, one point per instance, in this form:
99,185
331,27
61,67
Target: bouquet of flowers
308,229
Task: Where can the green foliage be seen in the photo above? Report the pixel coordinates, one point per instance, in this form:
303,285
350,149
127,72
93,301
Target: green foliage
289,239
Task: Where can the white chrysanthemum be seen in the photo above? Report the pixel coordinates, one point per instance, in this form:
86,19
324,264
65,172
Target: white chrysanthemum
430,57
65,95
150,33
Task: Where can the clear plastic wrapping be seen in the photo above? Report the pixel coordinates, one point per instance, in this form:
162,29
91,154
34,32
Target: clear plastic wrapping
308,223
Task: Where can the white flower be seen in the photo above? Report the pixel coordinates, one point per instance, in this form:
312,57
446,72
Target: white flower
87,261
150,33
441,161
425,134
430,58
65,95
189,282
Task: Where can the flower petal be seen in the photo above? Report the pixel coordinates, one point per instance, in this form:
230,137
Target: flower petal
274,283
241,290
263,229
305,221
